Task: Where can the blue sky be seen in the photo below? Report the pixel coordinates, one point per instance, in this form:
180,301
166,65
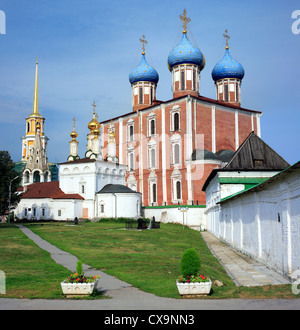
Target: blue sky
86,50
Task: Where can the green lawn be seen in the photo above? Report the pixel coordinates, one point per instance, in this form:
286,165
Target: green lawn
29,271
149,259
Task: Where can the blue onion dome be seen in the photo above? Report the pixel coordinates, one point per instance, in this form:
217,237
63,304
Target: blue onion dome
186,52
228,68
144,72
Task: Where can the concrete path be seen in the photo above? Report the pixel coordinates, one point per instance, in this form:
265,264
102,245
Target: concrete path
242,269
126,297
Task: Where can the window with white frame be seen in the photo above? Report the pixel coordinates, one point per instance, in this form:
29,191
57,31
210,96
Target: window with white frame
130,159
130,132
176,186
176,153
152,127
152,158
175,119
178,190
153,192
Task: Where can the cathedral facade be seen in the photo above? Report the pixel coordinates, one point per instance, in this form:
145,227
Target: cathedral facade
170,147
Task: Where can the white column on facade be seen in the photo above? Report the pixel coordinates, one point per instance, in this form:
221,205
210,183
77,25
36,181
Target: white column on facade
140,122
257,220
237,142
288,229
189,146
121,141
163,146
213,128
252,123
258,125
195,122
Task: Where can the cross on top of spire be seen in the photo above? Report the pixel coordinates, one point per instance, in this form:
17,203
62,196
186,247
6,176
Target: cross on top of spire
185,20
143,41
94,107
227,37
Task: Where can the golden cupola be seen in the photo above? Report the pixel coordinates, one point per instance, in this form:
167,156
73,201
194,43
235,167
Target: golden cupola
94,124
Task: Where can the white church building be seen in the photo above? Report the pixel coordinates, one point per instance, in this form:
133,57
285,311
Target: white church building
91,187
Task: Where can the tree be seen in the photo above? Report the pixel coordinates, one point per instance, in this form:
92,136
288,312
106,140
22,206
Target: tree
7,174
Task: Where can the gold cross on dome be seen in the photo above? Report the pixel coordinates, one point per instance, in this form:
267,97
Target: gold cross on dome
227,37
143,41
94,107
185,20
74,120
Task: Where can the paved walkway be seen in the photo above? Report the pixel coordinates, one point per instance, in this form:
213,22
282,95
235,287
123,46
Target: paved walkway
126,297
243,270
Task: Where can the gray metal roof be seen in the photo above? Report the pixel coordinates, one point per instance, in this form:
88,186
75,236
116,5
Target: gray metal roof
115,188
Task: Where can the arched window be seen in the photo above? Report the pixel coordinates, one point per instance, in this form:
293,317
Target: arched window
178,190
176,121
28,127
152,127
131,133
141,95
226,93
36,176
152,158
182,80
176,155
27,177
130,162
154,193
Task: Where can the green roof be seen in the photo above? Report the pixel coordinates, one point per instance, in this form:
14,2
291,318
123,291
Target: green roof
240,180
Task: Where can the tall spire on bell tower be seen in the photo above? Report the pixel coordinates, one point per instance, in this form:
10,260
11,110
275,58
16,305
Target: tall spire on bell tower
34,122
36,91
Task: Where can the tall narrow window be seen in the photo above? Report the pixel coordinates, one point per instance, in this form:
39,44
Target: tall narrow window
151,94
141,95
176,121
152,127
154,193
176,154
131,133
182,80
152,158
226,93
194,80
178,190
130,162
237,92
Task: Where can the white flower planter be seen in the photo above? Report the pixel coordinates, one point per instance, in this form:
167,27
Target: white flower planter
78,289
199,288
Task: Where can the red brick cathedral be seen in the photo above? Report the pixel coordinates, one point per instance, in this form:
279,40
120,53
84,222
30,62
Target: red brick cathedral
170,147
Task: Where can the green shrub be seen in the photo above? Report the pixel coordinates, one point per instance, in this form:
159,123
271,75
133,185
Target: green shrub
79,267
190,263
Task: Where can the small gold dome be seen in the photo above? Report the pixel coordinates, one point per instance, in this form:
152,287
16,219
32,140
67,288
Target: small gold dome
94,124
74,135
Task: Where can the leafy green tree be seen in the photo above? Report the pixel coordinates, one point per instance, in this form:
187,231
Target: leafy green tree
7,174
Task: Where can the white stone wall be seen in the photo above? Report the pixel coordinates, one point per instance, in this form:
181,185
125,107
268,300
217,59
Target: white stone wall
264,223
117,205
69,209
194,217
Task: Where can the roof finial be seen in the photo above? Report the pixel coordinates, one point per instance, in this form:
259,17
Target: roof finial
143,41
227,37
94,108
185,20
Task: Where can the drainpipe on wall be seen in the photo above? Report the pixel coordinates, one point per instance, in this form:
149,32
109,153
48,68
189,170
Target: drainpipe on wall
115,205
